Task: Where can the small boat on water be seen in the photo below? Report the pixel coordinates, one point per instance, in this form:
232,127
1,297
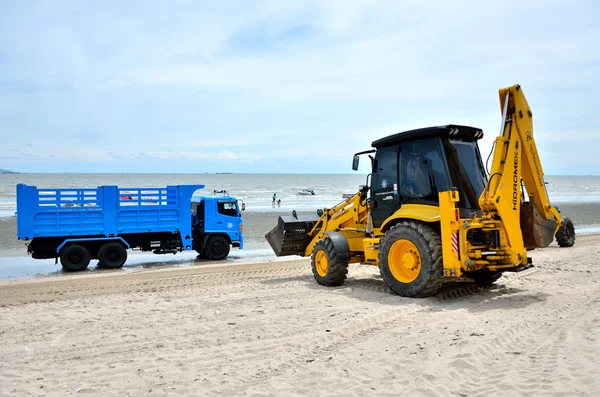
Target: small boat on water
306,192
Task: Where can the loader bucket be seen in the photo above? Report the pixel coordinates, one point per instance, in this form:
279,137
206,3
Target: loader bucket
290,236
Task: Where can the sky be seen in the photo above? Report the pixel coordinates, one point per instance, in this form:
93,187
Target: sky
285,87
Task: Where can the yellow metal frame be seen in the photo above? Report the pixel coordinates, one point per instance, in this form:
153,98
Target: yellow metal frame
515,160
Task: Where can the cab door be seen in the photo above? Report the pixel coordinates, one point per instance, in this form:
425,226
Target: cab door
384,184
228,218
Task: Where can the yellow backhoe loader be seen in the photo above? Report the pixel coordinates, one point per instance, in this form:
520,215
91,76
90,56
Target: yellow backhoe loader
430,212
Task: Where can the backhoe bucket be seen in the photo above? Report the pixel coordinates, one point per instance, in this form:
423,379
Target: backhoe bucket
537,231
290,236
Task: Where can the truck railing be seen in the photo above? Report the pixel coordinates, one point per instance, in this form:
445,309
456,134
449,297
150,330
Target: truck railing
146,196
53,199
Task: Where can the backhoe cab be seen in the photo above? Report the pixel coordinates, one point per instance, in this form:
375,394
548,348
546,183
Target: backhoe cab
429,213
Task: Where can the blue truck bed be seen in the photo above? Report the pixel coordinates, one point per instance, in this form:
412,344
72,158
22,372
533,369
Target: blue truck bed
107,211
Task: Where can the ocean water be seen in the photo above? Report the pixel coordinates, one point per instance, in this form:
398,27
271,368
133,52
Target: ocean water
256,190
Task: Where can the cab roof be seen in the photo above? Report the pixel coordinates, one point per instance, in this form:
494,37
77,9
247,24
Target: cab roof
450,130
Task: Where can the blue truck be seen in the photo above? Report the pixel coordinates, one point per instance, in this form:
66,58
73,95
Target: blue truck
77,225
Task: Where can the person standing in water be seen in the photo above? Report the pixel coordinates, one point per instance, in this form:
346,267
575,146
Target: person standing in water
274,199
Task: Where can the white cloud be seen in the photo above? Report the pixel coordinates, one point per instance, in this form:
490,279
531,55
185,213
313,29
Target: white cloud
251,83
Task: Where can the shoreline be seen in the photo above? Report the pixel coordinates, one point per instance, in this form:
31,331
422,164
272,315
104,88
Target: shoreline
585,216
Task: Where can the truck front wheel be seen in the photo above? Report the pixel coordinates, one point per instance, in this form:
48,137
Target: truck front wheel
75,257
112,255
217,248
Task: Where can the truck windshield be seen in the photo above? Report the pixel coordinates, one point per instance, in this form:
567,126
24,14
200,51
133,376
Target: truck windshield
466,170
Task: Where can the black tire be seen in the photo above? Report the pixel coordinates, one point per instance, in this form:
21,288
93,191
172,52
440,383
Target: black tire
327,268
75,257
410,260
484,277
202,254
565,236
112,255
217,248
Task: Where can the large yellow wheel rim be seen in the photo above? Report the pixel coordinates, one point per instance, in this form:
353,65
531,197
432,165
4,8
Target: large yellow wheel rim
404,261
322,263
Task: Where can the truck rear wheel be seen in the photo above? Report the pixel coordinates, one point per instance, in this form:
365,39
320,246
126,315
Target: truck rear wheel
217,248
327,268
565,236
75,257
112,255
410,260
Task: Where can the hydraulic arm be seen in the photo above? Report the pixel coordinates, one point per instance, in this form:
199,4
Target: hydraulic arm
516,164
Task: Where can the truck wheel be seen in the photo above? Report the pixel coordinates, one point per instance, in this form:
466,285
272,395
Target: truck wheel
75,257
565,236
484,277
326,267
410,260
217,248
112,255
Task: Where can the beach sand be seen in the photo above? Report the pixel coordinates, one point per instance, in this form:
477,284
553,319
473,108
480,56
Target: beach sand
267,329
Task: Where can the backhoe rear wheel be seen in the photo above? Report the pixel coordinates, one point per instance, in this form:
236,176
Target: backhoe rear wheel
327,268
484,276
565,236
410,260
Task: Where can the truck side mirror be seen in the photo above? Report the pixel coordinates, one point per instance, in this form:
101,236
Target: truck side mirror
355,162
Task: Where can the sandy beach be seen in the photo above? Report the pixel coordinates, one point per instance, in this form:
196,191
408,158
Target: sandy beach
267,329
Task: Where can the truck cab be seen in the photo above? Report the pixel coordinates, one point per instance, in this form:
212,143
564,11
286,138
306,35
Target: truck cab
217,224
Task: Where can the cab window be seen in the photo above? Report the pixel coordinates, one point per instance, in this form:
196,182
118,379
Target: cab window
227,208
422,171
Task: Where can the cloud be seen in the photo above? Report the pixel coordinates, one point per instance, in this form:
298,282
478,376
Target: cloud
283,86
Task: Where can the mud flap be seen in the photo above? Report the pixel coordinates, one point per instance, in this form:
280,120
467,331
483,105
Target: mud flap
290,236
537,231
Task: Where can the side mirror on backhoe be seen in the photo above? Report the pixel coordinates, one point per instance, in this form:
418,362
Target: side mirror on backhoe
355,161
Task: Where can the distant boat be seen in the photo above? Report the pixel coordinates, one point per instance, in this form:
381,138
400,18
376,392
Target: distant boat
306,192
347,195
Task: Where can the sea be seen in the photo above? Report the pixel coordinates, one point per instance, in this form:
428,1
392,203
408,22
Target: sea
256,190
577,193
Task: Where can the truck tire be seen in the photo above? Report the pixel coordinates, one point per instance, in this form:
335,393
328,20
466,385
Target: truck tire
75,257
327,268
217,248
202,254
565,236
112,255
410,260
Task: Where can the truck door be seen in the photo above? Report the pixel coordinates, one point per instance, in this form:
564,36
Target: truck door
384,184
228,219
